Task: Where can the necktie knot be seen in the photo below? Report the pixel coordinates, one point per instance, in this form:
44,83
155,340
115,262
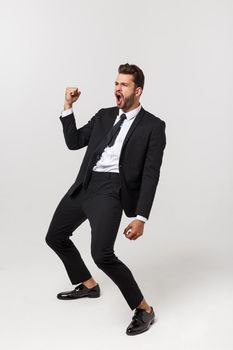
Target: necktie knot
123,117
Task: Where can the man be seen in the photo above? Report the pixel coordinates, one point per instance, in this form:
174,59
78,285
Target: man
120,171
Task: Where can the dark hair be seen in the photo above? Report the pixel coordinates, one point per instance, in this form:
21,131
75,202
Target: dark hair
135,71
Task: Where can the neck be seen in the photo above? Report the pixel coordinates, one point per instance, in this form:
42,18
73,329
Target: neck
135,105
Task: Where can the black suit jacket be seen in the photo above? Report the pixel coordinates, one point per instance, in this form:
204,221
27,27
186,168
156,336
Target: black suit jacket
140,159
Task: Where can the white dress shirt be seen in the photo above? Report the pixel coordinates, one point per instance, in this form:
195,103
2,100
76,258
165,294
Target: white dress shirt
109,160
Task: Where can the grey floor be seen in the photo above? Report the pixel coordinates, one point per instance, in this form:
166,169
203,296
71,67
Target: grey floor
191,292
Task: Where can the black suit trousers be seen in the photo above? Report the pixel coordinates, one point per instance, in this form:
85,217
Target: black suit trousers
100,204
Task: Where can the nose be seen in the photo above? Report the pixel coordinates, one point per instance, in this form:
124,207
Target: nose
118,88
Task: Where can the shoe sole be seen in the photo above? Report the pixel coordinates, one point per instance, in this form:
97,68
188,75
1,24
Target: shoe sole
84,296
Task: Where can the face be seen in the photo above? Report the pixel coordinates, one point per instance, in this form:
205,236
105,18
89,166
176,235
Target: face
126,92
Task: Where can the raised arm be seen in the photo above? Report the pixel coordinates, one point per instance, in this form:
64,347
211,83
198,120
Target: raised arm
74,138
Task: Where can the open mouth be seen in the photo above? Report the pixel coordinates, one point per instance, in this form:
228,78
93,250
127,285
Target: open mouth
119,98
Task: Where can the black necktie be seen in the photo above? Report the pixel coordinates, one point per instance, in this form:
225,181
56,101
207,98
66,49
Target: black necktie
108,140
111,137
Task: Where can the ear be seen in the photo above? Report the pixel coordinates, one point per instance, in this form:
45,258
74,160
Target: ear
138,91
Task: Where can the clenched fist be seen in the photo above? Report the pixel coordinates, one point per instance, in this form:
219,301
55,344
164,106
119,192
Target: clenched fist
134,229
71,96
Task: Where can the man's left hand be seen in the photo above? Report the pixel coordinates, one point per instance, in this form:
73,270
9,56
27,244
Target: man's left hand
134,229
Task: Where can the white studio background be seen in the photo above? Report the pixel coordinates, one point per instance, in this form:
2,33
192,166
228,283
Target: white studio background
183,262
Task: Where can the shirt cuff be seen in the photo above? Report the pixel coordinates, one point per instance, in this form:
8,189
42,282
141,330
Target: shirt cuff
66,112
139,217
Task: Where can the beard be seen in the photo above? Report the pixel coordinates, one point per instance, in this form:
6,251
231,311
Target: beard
125,102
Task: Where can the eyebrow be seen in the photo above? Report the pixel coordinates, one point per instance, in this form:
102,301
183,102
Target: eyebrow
117,82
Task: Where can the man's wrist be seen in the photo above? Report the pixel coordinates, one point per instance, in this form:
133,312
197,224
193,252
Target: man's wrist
67,106
141,218
66,112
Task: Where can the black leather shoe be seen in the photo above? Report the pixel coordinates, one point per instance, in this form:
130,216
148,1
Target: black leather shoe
80,292
141,321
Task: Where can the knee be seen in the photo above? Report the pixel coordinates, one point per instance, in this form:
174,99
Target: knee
49,239
52,239
102,259
98,259
57,243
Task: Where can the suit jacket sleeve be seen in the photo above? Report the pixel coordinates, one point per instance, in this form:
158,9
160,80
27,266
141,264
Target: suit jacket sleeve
151,170
76,138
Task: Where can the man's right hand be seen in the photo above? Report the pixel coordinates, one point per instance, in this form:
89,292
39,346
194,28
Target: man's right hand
71,96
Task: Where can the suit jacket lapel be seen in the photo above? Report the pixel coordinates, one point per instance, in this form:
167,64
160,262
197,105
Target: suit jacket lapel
132,127
107,125
111,119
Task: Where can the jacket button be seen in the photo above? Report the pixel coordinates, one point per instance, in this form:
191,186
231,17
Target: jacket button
120,165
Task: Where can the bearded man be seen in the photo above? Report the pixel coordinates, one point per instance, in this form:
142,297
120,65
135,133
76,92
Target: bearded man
120,172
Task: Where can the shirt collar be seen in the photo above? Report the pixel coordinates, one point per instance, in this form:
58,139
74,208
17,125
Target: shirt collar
131,114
